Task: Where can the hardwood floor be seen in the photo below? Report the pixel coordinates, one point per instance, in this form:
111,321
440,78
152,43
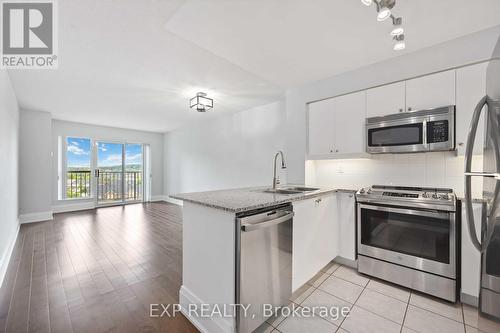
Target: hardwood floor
96,271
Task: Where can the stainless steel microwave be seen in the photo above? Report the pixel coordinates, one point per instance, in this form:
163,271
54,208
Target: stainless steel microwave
407,132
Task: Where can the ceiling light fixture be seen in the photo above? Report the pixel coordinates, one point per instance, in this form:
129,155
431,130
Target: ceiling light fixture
201,102
398,29
400,42
384,11
383,14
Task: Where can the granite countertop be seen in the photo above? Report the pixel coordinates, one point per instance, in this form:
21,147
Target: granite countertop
246,199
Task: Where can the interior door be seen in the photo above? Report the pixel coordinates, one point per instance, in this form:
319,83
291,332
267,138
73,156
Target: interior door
109,173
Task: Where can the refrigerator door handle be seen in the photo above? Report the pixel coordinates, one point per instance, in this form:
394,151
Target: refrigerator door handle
469,150
495,175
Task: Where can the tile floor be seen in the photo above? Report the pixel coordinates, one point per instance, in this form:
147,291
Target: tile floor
375,306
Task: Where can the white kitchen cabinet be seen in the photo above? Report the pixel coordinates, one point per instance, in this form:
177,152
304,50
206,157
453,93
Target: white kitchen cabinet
471,257
321,124
336,126
430,91
315,237
384,100
350,116
347,225
471,87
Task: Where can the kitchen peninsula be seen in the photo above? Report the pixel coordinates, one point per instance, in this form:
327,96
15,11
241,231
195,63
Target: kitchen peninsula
241,245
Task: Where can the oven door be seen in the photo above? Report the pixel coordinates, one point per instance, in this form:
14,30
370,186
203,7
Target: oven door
415,238
403,136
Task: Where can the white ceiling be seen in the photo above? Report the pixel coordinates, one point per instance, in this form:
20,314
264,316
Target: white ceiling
134,64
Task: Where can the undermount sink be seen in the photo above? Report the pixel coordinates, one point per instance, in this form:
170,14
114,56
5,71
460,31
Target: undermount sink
291,190
301,188
282,191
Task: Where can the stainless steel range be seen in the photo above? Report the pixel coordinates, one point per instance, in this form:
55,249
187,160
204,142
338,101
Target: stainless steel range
408,235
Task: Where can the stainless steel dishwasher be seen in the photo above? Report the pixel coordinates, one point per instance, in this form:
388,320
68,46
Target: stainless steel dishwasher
263,263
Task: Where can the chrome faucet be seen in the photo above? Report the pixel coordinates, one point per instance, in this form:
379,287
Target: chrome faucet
276,180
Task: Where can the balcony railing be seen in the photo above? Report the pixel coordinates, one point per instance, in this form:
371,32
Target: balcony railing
78,184
109,185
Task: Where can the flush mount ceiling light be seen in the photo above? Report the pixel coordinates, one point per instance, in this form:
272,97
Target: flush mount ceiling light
201,102
384,11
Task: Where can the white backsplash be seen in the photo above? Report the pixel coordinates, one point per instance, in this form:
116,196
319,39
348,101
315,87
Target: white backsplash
436,169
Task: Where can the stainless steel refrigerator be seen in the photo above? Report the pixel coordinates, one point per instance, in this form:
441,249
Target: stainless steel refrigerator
488,240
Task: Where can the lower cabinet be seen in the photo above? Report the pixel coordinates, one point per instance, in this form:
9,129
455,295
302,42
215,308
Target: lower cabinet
315,237
347,225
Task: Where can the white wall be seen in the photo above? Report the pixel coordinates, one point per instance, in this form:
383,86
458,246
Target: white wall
66,128
9,143
459,52
227,152
34,166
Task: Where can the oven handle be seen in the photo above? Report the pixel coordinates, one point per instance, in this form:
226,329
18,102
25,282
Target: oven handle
439,215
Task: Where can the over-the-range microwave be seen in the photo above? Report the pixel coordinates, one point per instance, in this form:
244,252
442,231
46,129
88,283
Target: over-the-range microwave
407,132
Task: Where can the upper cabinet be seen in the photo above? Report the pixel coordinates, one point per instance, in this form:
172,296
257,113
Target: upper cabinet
385,100
430,91
350,117
336,126
471,87
321,120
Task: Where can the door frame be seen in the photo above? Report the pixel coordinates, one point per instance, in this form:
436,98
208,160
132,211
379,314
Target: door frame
95,152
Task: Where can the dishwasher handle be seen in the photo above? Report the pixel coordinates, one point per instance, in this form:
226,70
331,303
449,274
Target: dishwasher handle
267,224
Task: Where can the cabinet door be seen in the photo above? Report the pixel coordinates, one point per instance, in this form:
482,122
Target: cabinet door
347,225
315,237
385,100
430,91
321,127
471,87
350,117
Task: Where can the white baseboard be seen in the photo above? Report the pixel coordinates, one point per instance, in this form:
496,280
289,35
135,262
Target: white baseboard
73,207
203,324
174,201
346,262
35,217
5,259
155,198
166,198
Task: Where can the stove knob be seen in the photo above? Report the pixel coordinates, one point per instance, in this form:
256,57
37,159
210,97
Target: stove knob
445,197
369,191
425,195
435,196
362,190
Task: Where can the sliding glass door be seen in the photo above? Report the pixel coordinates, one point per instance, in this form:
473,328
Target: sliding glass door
118,173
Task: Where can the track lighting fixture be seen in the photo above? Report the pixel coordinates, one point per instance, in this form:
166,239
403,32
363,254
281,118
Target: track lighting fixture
384,11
